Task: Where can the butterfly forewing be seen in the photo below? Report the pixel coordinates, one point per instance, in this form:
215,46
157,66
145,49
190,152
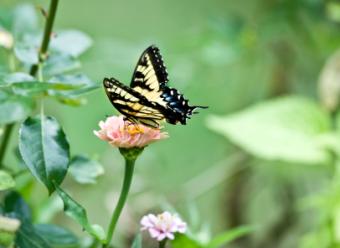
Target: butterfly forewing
150,75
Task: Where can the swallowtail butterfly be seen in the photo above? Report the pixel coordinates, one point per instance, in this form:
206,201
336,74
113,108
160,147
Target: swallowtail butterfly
149,99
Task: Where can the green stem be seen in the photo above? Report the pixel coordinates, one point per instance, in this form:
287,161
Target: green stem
162,243
47,36
129,168
4,142
33,71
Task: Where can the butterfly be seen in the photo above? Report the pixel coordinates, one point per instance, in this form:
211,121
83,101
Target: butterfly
149,100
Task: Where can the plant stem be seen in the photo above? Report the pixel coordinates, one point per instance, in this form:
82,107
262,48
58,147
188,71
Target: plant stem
47,36
5,140
42,55
162,243
129,168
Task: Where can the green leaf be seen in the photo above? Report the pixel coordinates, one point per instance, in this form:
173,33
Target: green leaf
185,241
8,229
45,150
137,242
287,129
6,180
25,19
16,77
6,239
48,209
85,170
26,53
73,97
333,11
70,100
229,236
14,204
14,108
72,42
78,213
72,79
28,237
57,236
57,64
34,88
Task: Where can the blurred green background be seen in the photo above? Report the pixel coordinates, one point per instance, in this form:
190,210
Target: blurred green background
227,55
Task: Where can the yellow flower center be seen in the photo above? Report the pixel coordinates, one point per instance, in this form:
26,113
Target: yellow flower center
134,129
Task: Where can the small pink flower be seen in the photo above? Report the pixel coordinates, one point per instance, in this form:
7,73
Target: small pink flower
163,225
125,134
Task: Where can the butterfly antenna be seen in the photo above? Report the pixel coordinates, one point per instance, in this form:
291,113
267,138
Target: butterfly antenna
197,107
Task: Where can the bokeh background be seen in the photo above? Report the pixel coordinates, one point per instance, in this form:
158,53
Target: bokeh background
228,55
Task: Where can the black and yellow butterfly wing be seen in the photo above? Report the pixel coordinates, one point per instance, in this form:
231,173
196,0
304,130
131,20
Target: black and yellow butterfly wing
150,74
149,100
134,106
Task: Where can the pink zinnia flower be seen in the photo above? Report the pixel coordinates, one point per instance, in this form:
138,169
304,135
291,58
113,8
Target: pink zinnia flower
125,134
163,225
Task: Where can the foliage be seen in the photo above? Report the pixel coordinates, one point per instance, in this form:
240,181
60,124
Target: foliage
230,55
45,150
290,129
220,240
43,145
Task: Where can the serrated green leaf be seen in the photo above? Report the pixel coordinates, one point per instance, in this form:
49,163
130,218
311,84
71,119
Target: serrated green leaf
44,149
6,180
229,236
56,236
137,242
287,129
74,210
85,170
14,108
72,42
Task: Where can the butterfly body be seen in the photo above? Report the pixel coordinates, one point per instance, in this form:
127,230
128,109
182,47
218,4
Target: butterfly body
149,100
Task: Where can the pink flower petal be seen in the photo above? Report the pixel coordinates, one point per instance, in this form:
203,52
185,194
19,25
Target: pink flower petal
170,235
154,233
122,133
145,222
161,237
163,226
